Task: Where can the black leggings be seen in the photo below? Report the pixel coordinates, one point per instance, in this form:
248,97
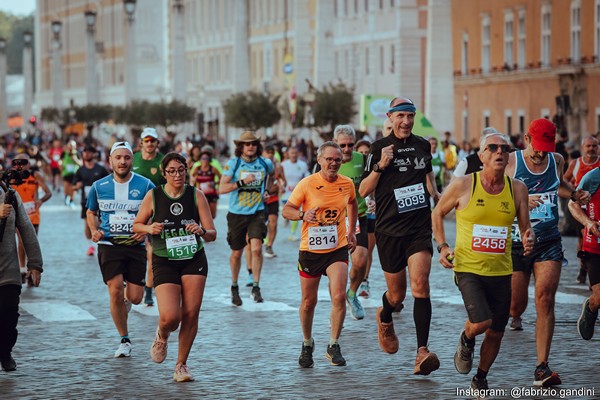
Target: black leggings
9,315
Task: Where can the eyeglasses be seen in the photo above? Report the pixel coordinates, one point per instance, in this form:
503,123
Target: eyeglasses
330,160
150,140
251,144
344,145
21,162
205,158
175,172
494,148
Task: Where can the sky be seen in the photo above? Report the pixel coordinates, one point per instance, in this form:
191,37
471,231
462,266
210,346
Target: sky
17,7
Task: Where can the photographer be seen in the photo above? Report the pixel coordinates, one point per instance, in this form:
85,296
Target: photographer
13,216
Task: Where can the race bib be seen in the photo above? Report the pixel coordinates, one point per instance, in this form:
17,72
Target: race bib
206,187
258,177
410,198
71,168
489,239
181,247
29,207
356,229
121,224
544,210
322,237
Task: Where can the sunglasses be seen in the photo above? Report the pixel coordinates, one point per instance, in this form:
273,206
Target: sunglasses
251,144
21,162
150,140
344,145
494,148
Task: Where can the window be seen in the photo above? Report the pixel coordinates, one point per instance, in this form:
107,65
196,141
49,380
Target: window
509,38
485,44
392,59
381,61
508,116
546,24
367,71
486,118
521,37
464,67
575,31
521,121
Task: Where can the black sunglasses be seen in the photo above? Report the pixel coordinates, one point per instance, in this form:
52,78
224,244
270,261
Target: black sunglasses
20,162
344,145
494,148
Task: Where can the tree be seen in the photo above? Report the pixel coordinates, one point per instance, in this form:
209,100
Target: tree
333,105
12,28
251,110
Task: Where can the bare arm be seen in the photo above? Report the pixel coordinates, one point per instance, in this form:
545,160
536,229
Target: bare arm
140,224
569,173
432,187
42,183
522,207
206,219
577,212
291,211
352,211
93,223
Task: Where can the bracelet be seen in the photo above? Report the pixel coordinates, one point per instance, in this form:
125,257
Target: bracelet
203,232
441,246
301,215
240,183
573,195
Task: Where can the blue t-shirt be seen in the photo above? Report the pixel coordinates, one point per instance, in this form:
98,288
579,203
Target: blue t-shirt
544,218
248,199
119,204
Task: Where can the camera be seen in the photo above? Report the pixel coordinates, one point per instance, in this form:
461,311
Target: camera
14,177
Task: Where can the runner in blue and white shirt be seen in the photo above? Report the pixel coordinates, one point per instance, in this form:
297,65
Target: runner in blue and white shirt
113,203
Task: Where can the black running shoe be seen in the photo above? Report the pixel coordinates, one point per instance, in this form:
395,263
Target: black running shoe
256,294
334,355
479,384
545,377
306,358
235,296
8,364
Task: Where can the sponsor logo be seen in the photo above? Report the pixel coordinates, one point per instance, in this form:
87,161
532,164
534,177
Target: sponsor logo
480,203
320,187
187,221
402,169
176,208
134,193
504,205
419,164
402,162
111,205
166,222
406,149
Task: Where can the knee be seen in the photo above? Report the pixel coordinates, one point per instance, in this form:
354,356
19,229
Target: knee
494,335
420,286
544,301
396,297
477,328
135,298
338,298
308,304
170,322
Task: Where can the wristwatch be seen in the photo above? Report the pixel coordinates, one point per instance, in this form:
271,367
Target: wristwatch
377,169
301,215
441,246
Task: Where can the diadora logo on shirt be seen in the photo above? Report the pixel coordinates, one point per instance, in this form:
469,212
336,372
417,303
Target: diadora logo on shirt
176,209
480,203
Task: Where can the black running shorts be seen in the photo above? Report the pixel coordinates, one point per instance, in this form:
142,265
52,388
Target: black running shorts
171,271
129,261
395,251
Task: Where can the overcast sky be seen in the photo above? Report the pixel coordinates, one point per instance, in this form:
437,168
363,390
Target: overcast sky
17,7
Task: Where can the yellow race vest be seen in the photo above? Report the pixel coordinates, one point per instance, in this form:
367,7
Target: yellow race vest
483,231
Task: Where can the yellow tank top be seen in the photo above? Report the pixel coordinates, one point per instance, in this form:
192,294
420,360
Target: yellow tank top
483,231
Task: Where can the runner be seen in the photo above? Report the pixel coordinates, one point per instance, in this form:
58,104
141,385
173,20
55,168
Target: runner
294,170
323,201
399,171
205,177
542,172
245,177
54,155
438,163
28,190
577,169
85,176
353,166
483,265
70,163
178,218
113,203
472,162
147,162
590,252
364,147
272,202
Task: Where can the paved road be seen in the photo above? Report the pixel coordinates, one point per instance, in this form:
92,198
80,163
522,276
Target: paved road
67,337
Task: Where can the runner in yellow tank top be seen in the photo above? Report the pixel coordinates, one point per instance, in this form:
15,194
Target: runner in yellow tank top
486,204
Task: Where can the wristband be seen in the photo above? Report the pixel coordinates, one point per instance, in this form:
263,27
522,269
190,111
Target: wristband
240,183
573,196
203,232
441,246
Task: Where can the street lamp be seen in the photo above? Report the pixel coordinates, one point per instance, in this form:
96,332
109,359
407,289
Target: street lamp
3,112
178,70
57,65
90,81
130,67
27,74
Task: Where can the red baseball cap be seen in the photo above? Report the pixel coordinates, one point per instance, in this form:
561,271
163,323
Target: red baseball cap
543,135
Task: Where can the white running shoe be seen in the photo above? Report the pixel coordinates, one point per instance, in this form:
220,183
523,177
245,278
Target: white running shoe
124,350
182,373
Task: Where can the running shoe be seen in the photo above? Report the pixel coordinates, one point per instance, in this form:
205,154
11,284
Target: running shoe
306,356
479,384
581,277
8,364
586,321
269,252
334,355
544,376
148,300
235,296
127,305
72,205
90,251
426,362
388,341
124,349
364,290
256,295
463,358
516,324
356,309
293,238
158,350
250,281
182,373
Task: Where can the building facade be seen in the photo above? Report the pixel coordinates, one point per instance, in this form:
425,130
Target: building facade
518,60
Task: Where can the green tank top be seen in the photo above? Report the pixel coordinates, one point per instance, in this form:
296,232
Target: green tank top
69,165
354,169
438,168
149,168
